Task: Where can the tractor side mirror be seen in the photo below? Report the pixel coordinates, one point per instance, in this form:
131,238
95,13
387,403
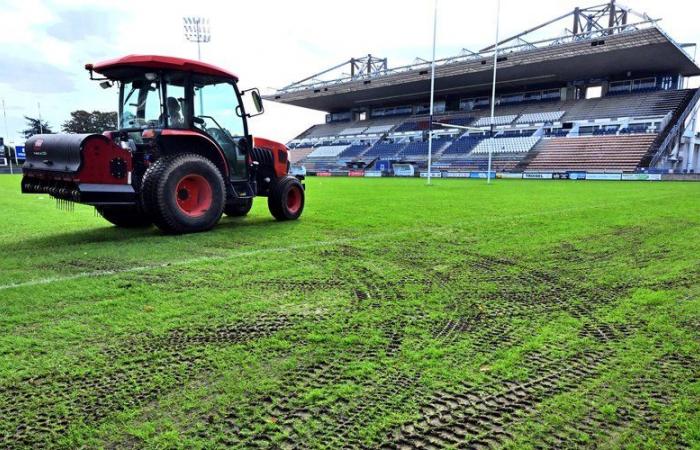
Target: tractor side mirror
257,101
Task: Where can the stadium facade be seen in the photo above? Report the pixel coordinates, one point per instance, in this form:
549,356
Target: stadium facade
609,95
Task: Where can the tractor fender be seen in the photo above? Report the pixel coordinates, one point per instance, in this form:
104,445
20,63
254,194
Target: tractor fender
185,141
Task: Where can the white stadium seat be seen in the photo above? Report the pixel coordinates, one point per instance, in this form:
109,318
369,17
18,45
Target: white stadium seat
328,151
507,145
498,120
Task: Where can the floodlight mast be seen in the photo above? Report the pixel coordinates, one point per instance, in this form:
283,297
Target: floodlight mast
432,97
197,30
492,144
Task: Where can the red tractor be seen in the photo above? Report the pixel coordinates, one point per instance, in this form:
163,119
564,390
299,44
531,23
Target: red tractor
182,155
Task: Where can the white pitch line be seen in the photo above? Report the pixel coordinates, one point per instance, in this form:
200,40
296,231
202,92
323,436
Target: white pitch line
184,262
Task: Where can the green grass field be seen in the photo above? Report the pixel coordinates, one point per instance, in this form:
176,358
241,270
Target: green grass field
393,315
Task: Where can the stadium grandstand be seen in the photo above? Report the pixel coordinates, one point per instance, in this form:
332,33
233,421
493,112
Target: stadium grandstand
610,96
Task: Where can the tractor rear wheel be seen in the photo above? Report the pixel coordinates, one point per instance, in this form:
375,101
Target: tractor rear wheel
183,193
286,199
239,209
125,216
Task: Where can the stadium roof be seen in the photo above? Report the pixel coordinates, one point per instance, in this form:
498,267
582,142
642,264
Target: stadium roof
616,50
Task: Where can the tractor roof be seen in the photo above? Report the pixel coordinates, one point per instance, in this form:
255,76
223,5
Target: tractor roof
118,68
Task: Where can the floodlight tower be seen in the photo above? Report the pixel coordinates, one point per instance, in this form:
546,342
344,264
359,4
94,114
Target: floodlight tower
197,30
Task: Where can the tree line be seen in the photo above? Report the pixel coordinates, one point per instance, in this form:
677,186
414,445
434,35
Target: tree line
80,122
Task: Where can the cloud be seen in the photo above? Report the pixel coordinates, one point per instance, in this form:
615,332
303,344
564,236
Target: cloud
35,76
80,24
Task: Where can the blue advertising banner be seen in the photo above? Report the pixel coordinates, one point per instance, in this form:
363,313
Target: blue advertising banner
19,151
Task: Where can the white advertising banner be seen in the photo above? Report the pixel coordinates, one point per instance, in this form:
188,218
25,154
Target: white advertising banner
538,176
457,174
435,174
373,174
641,177
510,176
604,176
404,170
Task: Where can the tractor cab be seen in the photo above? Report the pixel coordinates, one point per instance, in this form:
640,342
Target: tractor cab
177,100
182,154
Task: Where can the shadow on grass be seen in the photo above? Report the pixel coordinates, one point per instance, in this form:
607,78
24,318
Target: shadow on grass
57,242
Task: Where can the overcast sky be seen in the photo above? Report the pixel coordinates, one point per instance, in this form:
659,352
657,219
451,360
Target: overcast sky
44,45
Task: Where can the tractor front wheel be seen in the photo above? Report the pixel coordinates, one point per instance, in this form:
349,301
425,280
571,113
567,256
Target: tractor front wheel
286,199
239,209
183,193
125,216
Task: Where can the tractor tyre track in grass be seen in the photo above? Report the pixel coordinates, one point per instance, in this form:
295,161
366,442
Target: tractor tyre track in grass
487,410
40,410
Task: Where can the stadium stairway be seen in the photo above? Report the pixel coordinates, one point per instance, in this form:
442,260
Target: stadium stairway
679,116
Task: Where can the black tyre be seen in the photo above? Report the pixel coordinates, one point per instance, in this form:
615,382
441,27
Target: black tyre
125,216
183,193
239,209
286,199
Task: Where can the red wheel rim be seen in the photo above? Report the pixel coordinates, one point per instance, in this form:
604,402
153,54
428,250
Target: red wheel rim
294,200
194,195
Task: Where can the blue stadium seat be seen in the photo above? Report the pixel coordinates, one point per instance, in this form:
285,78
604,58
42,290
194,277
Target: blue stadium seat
384,150
354,151
463,145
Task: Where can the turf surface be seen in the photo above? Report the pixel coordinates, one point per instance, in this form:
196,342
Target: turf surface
393,315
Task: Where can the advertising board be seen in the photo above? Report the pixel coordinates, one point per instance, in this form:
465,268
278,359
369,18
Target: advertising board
404,170
537,176
456,175
641,177
604,176
510,176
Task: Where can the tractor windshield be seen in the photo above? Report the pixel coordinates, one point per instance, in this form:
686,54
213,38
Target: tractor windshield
217,105
141,104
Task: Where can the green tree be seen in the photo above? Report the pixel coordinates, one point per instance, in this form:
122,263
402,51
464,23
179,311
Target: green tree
83,122
35,126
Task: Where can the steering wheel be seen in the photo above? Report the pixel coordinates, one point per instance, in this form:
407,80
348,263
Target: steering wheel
200,122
